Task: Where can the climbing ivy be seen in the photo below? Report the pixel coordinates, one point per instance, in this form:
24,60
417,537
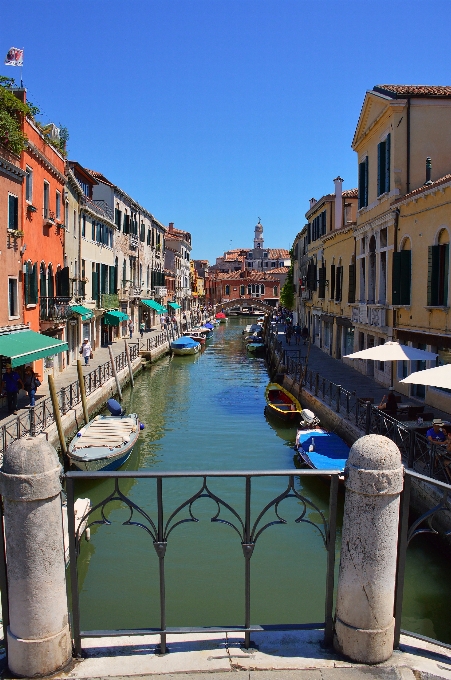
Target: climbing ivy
287,292
12,110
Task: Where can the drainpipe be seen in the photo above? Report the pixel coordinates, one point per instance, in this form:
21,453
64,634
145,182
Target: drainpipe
408,146
395,250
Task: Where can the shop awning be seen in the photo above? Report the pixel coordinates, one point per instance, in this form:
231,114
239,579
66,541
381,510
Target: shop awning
114,318
24,347
174,305
84,312
155,305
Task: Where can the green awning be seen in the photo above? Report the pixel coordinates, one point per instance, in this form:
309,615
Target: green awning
114,318
23,347
174,305
84,312
155,305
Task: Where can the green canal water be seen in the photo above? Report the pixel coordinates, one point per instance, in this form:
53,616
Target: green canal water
206,413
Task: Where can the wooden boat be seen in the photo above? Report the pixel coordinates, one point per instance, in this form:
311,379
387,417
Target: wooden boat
321,450
252,328
184,346
256,347
281,403
106,442
221,317
196,335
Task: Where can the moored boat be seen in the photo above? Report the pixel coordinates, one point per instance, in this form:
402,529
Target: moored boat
321,450
197,335
282,404
106,442
252,328
221,317
256,347
184,346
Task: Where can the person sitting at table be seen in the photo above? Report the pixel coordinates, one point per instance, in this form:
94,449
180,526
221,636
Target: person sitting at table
389,403
436,434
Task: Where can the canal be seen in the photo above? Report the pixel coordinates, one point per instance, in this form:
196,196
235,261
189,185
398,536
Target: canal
206,413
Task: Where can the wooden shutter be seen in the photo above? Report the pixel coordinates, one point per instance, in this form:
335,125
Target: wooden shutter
444,269
380,161
351,288
366,181
339,284
33,290
111,286
63,282
332,282
361,184
433,272
387,165
322,282
95,285
405,277
396,279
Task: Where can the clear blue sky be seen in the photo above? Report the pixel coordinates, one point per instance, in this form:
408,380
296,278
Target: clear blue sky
211,113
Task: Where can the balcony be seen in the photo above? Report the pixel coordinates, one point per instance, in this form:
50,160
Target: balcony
54,309
133,241
371,314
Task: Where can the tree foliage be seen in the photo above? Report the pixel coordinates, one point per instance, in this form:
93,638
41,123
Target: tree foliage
287,292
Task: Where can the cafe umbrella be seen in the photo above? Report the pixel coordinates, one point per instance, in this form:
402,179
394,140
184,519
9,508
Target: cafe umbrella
432,377
392,351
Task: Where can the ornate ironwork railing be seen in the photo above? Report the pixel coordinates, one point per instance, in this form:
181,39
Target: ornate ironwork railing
248,527
37,419
54,308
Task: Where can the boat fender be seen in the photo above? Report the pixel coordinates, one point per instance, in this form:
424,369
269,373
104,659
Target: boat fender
141,426
88,534
114,407
79,434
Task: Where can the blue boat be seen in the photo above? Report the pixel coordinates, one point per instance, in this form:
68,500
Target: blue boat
106,442
321,450
185,345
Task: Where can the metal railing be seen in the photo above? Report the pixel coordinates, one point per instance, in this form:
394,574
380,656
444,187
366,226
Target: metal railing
37,419
54,308
417,452
249,526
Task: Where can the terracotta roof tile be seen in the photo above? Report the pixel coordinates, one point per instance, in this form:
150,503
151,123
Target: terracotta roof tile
278,254
421,190
98,175
414,90
350,193
279,270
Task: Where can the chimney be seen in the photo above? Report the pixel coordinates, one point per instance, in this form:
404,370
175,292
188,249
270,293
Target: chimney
428,172
312,202
21,94
338,202
171,227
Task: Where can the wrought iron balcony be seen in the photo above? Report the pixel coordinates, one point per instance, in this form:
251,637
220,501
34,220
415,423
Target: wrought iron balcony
134,241
53,308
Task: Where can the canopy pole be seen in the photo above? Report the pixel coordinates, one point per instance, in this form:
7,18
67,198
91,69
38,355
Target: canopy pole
81,382
57,414
130,369
113,366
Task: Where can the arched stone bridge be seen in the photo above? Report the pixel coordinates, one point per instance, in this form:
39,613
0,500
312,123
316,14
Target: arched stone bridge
245,302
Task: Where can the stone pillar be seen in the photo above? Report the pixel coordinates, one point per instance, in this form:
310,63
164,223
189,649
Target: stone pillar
364,628
39,641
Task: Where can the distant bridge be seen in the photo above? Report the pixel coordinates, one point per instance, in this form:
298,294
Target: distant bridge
246,302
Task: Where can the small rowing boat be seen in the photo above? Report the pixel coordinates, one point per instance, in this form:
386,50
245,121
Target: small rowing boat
184,346
106,442
256,347
317,448
197,335
282,404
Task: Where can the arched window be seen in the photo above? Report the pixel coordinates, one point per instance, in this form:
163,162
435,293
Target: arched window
372,270
50,281
438,268
42,280
227,290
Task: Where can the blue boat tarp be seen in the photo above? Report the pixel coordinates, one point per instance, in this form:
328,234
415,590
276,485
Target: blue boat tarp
208,325
329,451
184,343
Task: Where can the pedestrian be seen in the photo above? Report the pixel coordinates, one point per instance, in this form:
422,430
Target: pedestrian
31,384
142,328
297,331
131,328
11,383
288,333
86,351
304,334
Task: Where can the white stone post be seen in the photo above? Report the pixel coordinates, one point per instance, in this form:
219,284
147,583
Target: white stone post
364,627
39,641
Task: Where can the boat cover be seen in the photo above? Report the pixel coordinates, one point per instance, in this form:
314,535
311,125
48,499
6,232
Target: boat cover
330,452
184,343
208,325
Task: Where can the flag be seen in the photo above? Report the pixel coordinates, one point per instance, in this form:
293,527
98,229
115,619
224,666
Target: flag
14,57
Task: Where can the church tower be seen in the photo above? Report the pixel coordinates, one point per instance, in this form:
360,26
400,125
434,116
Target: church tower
258,237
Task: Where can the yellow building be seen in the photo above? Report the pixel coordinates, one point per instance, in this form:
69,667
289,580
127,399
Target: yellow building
421,285
399,126
325,257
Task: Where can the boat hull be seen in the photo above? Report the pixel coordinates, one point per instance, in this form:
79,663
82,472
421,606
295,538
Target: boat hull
286,416
281,404
184,351
329,452
88,451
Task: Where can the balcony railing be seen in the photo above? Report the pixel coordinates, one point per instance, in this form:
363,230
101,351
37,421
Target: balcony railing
133,241
53,308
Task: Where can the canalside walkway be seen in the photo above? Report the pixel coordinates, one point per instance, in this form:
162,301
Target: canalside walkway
294,655
342,374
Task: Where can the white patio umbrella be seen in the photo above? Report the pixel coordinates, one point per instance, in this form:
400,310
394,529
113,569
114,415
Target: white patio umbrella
433,377
392,351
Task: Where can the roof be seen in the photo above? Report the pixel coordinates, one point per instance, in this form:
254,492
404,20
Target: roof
350,193
426,187
279,270
249,276
99,176
395,91
278,254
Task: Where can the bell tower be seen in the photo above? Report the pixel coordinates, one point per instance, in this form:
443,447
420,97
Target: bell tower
258,236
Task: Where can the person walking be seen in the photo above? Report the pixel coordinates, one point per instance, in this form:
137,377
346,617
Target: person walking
11,383
297,332
31,384
86,351
131,328
142,328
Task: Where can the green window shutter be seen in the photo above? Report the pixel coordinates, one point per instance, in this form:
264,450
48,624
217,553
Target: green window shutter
433,275
332,282
445,265
387,163
351,288
322,282
396,279
366,181
405,259
380,160
95,285
339,284
111,287
26,283
34,285
361,184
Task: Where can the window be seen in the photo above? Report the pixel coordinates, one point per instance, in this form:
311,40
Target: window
83,225
363,183
93,230
13,212
31,283
401,278
317,228
438,266
311,276
58,205
227,290
383,166
124,274
118,218
332,282
274,291
338,283
66,214
29,185
75,222
126,224
242,290
13,303
322,282
46,199
351,285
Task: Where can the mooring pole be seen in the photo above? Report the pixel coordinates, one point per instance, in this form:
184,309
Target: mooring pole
57,415
81,382
113,367
130,369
